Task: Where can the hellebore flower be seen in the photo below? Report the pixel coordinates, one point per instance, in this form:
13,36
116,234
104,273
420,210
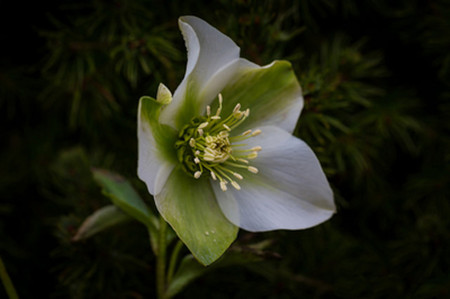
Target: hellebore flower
220,154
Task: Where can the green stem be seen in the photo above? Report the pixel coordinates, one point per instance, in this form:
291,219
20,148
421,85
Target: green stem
173,261
9,287
161,260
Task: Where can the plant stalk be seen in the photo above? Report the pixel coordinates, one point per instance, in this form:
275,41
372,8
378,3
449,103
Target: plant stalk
161,260
7,283
173,260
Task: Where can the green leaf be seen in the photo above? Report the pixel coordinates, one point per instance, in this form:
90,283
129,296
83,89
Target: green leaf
123,195
100,220
190,207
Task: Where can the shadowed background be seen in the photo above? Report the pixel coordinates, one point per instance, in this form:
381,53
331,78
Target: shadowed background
375,77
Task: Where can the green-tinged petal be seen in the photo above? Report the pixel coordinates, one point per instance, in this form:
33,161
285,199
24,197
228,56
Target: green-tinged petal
211,54
271,92
156,151
290,191
123,195
190,207
100,220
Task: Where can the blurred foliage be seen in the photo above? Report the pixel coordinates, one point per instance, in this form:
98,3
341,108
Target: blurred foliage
375,77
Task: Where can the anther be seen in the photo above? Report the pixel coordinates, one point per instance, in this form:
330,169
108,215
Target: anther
208,110
256,132
197,174
223,134
238,114
238,175
247,133
223,186
208,157
242,160
192,142
215,117
256,148
200,131
236,185
253,169
252,155
203,125
220,105
213,175
226,127
197,160
236,109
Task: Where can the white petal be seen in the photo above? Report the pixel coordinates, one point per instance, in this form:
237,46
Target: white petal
272,93
209,53
153,168
290,190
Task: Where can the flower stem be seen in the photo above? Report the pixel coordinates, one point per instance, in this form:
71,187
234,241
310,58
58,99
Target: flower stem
161,260
173,261
7,283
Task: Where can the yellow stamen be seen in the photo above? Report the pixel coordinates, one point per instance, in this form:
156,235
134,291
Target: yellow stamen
256,132
236,109
236,185
238,175
209,143
253,169
192,142
246,133
252,155
223,186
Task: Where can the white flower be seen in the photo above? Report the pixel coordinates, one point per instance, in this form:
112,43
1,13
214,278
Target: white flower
221,154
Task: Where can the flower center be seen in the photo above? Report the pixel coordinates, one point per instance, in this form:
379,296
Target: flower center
206,146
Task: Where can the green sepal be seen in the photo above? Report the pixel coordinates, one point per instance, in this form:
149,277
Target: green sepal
99,221
190,207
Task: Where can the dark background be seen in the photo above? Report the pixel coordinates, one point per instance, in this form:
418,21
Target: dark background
375,77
